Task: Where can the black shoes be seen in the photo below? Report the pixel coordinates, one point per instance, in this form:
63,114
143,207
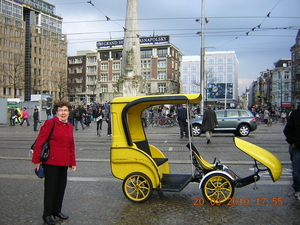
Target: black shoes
48,220
208,141
61,216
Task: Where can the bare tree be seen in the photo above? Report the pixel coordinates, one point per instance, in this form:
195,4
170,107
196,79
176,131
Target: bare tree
171,87
36,81
60,82
13,74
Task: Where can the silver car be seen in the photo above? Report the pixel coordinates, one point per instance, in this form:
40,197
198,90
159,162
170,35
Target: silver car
238,121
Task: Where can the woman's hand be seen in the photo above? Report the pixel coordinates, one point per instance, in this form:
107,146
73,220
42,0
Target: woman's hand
37,165
73,168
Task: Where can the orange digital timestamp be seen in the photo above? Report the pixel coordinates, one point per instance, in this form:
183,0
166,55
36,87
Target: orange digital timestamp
241,201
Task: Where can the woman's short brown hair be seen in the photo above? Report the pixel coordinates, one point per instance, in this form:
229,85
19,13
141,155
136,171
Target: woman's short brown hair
62,104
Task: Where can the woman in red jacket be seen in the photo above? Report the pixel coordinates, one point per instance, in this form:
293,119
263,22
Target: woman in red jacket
62,156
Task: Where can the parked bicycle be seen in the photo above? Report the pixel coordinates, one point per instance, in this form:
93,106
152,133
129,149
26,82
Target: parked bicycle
163,121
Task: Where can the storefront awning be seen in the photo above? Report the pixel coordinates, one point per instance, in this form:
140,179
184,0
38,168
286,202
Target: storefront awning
286,105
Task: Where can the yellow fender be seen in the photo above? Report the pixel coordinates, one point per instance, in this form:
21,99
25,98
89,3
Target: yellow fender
263,156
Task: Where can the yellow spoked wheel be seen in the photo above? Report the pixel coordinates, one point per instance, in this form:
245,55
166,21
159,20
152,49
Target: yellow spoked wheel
217,189
137,187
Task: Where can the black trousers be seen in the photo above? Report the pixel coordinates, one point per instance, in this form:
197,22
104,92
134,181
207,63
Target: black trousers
54,188
99,125
183,129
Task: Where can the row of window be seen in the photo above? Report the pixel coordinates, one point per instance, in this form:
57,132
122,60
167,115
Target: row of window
191,89
286,75
40,5
219,78
10,55
115,66
145,53
210,68
219,61
47,42
11,44
45,73
75,60
91,59
54,54
51,23
161,88
45,62
7,91
11,32
12,9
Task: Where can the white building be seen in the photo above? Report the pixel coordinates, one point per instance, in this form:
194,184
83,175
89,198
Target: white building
220,77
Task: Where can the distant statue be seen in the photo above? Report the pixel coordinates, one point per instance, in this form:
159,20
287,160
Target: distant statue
129,57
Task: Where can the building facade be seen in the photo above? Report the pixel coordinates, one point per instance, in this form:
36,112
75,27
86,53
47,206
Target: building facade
281,84
76,78
273,87
220,78
33,50
295,50
102,79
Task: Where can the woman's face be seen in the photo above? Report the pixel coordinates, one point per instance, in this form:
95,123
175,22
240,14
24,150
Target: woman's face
63,113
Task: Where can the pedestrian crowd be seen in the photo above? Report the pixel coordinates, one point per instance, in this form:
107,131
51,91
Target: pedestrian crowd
268,114
79,114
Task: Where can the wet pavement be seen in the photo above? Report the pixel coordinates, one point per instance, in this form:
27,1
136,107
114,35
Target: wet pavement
94,196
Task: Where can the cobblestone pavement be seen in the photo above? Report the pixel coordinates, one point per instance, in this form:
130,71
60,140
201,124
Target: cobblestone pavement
94,196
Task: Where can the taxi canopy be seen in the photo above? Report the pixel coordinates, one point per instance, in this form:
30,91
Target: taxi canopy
126,114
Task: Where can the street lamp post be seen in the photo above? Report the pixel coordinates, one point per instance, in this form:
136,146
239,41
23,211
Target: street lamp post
202,55
281,93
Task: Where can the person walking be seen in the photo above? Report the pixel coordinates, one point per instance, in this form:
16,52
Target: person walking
78,118
283,117
62,156
144,118
48,112
18,115
182,120
108,121
267,118
209,123
12,117
35,119
72,116
99,115
292,134
25,117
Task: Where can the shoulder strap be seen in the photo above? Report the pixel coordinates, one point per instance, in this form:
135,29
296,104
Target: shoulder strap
49,137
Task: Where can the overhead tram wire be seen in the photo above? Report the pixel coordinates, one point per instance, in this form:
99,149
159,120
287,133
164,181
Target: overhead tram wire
255,27
71,3
187,18
192,34
107,18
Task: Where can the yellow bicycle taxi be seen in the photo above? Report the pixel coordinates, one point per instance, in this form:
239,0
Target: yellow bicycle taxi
144,168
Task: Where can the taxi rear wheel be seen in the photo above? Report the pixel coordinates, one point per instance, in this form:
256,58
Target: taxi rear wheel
137,187
217,189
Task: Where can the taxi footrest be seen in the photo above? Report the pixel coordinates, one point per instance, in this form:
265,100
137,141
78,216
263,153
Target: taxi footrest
160,161
175,182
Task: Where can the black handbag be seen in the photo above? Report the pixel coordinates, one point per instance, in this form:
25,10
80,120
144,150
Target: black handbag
46,147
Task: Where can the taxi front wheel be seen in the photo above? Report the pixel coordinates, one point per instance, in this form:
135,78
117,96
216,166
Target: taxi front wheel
137,187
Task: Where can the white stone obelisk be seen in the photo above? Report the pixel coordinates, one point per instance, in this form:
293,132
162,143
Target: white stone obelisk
131,56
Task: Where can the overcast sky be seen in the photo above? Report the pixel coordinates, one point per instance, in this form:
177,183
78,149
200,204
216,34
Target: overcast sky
229,22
